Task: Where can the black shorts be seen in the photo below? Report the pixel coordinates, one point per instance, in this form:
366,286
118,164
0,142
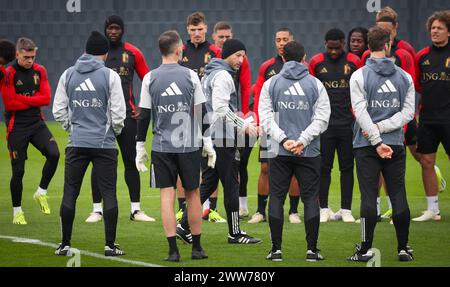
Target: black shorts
166,167
38,135
411,132
429,136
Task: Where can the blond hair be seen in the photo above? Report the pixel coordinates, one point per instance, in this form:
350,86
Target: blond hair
387,12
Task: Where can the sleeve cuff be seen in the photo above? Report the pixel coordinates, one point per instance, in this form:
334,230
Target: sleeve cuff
283,141
281,137
380,127
376,142
303,141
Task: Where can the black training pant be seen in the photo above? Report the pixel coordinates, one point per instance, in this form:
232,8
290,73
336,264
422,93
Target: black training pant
307,171
337,139
368,168
245,153
225,170
105,164
18,140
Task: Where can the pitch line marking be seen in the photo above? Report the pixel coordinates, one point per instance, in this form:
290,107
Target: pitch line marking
83,252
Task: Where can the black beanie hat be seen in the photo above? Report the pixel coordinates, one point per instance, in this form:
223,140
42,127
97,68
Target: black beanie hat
114,19
231,46
97,44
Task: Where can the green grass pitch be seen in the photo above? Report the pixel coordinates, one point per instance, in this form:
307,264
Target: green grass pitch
145,242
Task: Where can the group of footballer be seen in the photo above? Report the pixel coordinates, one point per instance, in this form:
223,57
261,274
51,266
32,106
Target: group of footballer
214,81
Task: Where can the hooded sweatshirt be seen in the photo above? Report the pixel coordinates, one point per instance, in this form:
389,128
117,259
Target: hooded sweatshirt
382,96
89,103
222,101
294,105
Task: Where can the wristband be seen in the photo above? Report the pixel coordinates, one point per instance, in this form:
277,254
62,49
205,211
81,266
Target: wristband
378,144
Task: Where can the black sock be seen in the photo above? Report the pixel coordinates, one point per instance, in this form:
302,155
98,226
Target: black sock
196,242
213,203
262,203
172,244
294,200
182,203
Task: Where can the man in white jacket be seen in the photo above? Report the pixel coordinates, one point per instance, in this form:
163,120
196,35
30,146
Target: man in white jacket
222,105
294,109
89,104
382,96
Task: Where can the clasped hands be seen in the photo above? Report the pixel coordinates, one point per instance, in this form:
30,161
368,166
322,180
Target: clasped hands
296,147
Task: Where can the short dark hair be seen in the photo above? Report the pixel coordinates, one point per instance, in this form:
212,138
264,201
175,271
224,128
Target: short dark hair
168,41
25,44
222,25
196,18
378,37
441,16
293,51
387,19
334,34
284,29
7,50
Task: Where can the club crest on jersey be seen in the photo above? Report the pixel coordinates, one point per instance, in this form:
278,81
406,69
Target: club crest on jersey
36,79
447,63
347,69
207,58
125,57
